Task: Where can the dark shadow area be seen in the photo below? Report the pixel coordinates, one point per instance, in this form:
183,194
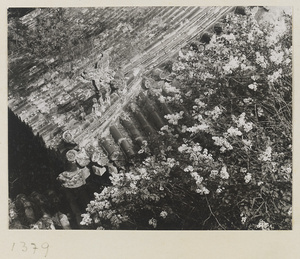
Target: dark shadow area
32,167
18,12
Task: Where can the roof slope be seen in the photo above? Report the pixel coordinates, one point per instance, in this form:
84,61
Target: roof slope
106,76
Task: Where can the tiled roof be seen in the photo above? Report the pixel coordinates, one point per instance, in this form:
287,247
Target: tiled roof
51,103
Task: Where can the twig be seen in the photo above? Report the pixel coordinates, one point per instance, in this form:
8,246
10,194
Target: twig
213,214
206,219
236,81
259,208
288,83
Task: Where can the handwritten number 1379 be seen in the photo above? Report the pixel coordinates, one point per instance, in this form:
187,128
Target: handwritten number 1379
24,248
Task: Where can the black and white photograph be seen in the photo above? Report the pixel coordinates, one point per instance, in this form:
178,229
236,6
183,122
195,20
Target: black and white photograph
150,118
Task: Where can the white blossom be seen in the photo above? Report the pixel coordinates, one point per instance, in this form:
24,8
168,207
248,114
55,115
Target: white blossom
223,173
188,169
276,57
152,222
263,225
202,190
163,214
253,86
213,173
174,118
266,155
234,131
183,148
248,177
274,77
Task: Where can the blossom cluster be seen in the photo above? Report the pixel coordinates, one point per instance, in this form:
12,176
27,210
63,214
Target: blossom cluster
163,214
152,222
215,113
166,129
202,190
248,177
263,225
178,66
223,173
241,122
171,89
144,148
276,56
275,76
174,118
197,128
231,65
266,155
234,132
253,86
199,103
226,138
260,60
223,143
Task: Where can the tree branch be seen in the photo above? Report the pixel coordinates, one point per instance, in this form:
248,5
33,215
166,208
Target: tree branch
213,213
